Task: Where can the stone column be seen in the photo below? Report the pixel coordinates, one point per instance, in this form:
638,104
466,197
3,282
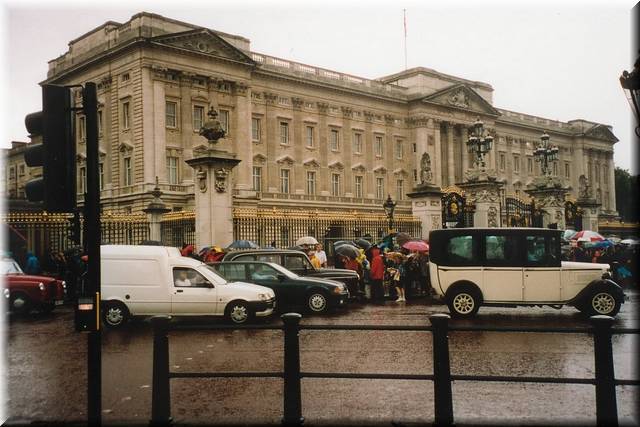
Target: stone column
549,195
242,139
426,202
154,212
451,177
463,146
590,212
213,199
437,158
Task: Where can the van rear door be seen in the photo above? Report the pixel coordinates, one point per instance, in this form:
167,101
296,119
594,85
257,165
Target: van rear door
192,293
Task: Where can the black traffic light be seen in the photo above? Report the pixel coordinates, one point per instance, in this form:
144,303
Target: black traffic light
56,153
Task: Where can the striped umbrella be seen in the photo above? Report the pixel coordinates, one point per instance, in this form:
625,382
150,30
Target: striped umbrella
587,234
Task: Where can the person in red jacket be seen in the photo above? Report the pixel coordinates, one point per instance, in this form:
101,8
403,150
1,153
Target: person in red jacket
376,275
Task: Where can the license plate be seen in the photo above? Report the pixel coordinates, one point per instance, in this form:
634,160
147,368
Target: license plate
59,302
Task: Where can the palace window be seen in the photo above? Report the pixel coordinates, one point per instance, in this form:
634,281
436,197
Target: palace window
127,172
529,165
100,122
284,133
311,182
502,162
598,174
198,117
309,136
334,139
516,164
82,129
358,185
101,175
257,178
21,170
335,184
83,180
555,168
12,172
400,189
284,181
399,150
567,170
171,114
357,143
379,188
125,77
379,146
223,117
255,129
172,170
126,115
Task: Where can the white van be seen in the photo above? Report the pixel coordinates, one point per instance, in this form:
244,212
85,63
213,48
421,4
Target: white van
152,280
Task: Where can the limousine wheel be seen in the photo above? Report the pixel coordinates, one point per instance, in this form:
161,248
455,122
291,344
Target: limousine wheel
463,302
238,312
115,314
603,302
317,302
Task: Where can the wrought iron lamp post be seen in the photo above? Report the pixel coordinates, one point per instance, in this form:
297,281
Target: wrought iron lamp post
479,144
545,154
630,82
389,206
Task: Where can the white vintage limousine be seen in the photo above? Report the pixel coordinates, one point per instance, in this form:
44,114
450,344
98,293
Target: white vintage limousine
510,267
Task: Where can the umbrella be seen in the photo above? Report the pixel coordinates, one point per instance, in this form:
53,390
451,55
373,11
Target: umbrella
306,240
568,234
348,250
416,245
395,256
592,236
364,244
341,242
402,238
243,244
602,244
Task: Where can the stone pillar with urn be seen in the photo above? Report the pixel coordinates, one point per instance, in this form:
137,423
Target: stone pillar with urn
154,211
213,187
426,199
588,204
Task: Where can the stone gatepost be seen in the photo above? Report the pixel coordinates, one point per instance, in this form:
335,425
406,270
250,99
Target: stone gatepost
154,211
426,204
482,189
590,212
213,198
548,195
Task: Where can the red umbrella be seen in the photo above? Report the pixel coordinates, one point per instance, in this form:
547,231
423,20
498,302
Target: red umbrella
416,245
587,234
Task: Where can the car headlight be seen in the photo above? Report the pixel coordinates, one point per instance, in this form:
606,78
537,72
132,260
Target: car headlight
64,285
607,274
263,297
41,286
338,290
6,293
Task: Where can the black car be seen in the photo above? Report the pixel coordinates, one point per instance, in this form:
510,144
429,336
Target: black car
315,294
296,262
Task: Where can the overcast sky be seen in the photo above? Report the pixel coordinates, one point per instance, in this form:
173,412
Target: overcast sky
560,60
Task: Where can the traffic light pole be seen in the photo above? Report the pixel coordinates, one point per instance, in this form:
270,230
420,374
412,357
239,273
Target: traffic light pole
92,242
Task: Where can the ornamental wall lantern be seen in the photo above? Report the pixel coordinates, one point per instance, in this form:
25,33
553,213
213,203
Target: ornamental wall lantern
479,144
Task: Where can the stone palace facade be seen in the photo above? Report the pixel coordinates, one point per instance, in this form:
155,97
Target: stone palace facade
307,137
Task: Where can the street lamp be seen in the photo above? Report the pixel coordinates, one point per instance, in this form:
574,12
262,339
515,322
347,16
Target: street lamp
389,206
630,83
478,144
545,154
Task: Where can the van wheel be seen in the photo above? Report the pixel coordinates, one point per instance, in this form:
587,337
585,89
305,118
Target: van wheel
317,302
20,304
115,314
238,312
602,302
463,302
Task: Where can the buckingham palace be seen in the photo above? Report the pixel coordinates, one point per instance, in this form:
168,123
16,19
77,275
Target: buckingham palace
307,138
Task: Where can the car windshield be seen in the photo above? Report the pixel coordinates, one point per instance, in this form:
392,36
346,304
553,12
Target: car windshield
9,266
281,269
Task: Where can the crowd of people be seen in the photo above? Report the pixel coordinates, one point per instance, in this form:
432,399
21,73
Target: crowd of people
623,259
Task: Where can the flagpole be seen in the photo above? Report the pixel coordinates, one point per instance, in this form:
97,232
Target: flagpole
404,12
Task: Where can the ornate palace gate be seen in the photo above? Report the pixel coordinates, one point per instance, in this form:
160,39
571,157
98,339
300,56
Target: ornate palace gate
572,215
456,212
520,213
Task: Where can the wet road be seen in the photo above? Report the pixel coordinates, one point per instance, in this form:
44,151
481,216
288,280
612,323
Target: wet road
47,370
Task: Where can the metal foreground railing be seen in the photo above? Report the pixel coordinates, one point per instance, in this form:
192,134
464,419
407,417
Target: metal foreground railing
601,328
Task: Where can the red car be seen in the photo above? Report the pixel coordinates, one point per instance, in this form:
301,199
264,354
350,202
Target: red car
25,293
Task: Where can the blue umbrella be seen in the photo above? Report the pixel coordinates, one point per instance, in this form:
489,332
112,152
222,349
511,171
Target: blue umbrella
243,244
601,244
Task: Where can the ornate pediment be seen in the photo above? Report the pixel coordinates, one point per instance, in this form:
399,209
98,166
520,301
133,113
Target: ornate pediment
358,167
601,132
204,42
311,162
400,171
463,97
380,169
336,165
286,159
125,147
259,159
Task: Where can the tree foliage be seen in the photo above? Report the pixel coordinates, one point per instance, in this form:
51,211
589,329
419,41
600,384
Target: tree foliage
627,195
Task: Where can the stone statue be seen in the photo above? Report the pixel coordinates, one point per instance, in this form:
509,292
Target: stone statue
584,188
426,176
212,129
